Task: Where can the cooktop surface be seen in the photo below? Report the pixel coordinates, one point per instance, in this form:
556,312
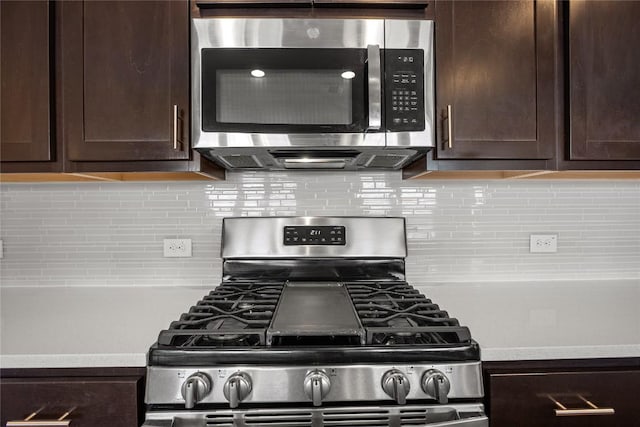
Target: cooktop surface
313,320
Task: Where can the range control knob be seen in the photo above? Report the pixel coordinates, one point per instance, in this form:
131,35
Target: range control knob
195,388
316,386
237,387
396,385
436,385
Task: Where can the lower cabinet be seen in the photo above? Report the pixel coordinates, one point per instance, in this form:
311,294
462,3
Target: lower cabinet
110,397
546,396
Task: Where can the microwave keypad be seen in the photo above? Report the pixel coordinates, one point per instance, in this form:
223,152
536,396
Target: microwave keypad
404,100
404,89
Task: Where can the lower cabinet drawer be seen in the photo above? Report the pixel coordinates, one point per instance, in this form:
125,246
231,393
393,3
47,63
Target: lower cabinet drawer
94,402
529,399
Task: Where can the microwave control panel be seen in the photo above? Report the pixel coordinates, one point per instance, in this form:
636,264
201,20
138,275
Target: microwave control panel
314,235
404,90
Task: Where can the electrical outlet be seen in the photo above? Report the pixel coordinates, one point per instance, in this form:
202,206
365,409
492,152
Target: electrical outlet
546,243
177,248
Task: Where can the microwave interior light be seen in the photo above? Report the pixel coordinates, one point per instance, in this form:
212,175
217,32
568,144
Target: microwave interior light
348,75
257,73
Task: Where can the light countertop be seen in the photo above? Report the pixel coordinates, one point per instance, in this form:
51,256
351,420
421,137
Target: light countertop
114,326
57,327
546,320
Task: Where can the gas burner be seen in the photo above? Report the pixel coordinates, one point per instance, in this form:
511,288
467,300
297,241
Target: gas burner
406,338
447,336
381,292
202,339
237,293
396,314
227,339
401,323
225,323
236,314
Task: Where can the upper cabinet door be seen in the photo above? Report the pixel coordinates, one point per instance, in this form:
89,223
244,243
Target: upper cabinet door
125,80
604,80
26,75
495,79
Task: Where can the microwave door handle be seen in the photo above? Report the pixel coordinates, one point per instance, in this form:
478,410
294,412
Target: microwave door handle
375,87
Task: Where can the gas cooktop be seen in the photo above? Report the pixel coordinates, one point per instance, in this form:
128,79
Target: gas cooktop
330,320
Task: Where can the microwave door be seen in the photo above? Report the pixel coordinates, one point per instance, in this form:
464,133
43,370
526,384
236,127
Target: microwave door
374,85
289,91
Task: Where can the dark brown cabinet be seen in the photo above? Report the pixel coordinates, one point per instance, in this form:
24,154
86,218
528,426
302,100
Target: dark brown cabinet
97,90
109,397
591,397
495,74
26,63
125,76
604,80
93,88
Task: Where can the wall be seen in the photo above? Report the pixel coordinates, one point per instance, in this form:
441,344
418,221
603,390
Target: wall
111,233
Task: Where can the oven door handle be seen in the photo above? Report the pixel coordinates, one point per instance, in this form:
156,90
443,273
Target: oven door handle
159,423
479,421
375,87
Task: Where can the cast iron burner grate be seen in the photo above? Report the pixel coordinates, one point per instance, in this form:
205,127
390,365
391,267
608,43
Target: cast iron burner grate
239,314
397,314
233,314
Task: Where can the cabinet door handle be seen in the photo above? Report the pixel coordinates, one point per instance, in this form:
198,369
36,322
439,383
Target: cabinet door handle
177,127
563,411
62,421
39,423
450,126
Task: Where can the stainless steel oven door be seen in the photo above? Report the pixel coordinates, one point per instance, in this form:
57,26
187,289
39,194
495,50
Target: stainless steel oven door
454,415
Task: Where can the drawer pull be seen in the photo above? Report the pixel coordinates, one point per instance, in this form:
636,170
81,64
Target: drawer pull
177,128
449,118
563,411
30,422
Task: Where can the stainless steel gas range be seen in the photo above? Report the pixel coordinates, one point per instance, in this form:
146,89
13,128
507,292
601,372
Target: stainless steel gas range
314,325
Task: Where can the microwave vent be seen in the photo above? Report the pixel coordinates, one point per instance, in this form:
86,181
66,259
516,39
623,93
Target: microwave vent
386,161
241,161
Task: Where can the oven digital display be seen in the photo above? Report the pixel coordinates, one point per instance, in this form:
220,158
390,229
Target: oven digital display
314,235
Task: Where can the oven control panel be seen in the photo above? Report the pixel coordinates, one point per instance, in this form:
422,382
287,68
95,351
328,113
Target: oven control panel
244,385
404,89
296,235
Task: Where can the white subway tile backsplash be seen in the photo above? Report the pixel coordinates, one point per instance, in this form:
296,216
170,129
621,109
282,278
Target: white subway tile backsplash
111,233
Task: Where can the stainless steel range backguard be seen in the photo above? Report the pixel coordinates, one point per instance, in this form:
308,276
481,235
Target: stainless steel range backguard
263,238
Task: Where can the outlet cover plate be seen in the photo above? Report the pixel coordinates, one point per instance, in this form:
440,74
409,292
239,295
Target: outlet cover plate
543,243
177,248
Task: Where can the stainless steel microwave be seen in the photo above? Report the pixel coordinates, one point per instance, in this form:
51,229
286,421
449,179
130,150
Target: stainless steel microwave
312,93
